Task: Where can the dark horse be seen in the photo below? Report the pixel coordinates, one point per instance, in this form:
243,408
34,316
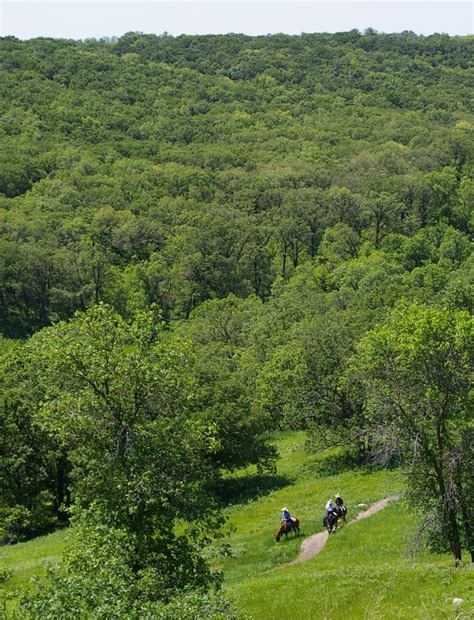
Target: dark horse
286,529
330,521
341,512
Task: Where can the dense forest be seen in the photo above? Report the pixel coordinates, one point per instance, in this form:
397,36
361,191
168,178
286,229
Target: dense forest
208,238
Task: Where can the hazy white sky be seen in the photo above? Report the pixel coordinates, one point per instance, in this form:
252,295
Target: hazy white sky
88,18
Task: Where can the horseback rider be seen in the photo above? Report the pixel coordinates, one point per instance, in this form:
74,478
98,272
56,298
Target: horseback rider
330,508
286,517
287,524
340,508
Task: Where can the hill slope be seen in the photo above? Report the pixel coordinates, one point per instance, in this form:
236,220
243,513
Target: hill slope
367,570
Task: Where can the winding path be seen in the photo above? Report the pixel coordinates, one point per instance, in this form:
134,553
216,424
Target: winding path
314,544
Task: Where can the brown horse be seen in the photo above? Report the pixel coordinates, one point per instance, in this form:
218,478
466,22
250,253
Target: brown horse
286,529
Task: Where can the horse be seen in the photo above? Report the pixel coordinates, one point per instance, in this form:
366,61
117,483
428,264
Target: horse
330,521
341,512
286,529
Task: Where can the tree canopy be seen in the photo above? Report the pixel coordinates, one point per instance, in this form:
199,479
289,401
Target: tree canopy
209,238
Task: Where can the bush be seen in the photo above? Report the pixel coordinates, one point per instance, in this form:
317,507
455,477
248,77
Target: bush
15,521
105,576
19,522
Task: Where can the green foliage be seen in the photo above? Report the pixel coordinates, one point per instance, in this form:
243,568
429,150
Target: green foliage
417,368
197,234
18,521
103,576
32,468
170,171
225,376
121,401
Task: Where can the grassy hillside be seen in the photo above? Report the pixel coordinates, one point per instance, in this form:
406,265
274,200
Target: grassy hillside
27,560
366,570
304,486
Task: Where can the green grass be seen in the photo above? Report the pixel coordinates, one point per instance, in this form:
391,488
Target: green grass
306,493
366,571
28,560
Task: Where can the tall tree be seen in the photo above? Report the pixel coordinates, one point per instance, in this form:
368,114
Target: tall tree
121,402
417,368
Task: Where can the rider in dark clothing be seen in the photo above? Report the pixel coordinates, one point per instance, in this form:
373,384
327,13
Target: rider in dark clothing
340,508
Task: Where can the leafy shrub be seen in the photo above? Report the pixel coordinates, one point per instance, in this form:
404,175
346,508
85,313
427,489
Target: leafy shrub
18,522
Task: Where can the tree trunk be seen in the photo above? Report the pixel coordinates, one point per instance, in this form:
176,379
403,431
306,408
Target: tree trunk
466,519
467,530
448,510
283,267
447,505
455,539
62,490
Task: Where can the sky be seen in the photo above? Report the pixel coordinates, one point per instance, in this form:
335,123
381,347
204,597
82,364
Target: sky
88,18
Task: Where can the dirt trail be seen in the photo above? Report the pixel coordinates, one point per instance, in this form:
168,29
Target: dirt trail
313,545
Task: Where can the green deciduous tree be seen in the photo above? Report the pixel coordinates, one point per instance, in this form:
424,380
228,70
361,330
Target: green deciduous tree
33,470
121,401
417,368
225,378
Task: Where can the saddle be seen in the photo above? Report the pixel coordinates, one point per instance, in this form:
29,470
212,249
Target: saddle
289,526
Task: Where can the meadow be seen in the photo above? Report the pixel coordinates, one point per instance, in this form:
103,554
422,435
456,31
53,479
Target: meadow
369,569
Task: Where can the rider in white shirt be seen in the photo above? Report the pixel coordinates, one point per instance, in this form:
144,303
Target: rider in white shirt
329,507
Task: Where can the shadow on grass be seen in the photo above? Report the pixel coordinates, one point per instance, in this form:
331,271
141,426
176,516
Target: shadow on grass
31,534
248,488
334,465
